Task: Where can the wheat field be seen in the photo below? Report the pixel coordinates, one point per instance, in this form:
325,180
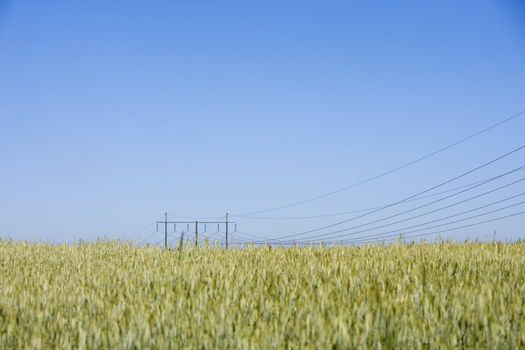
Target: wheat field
119,296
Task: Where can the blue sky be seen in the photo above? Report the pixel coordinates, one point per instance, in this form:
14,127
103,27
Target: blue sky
113,112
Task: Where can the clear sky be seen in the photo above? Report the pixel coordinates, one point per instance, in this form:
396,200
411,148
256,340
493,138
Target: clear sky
113,112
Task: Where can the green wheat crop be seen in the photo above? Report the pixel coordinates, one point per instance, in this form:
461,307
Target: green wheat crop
118,296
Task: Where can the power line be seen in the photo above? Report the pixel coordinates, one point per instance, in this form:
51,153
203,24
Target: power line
158,231
159,241
278,218
212,234
148,237
249,235
465,139
405,199
330,234
151,224
441,219
440,231
449,217
396,236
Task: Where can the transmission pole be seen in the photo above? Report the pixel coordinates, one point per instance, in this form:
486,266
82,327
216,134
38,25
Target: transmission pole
188,223
226,230
166,230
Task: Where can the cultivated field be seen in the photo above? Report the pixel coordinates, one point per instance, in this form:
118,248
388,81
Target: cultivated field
111,295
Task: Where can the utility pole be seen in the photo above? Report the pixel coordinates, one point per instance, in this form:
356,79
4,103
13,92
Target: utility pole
196,233
166,230
226,230
196,223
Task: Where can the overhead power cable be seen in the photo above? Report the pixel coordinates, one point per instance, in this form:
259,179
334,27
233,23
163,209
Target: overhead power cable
391,237
403,230
278,218
402,200
148,237
249,235
465,139
136,234
332,233
159,241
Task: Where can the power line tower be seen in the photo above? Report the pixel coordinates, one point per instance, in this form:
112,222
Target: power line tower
196,223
